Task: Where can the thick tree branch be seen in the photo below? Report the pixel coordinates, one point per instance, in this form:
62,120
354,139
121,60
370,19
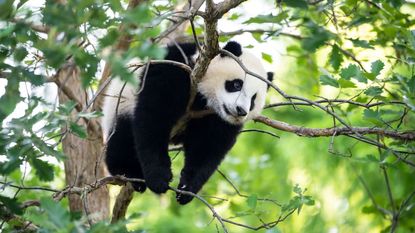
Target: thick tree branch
122,202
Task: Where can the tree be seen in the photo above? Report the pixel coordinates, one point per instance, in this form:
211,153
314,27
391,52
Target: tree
345,84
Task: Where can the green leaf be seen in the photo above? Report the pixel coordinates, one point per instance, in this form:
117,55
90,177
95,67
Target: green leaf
90,115
12,164
141,14
6,8
353,71
11,204
252,201
336,58
234,16
369,209
361,43
20,53
78,130
43,169
344,83
374,91
308,200
377,67
373,116
56,213
257,37
67,107
296,3
9,100
318,38
297,189
327,80
35,79
267,57
110,38
268,18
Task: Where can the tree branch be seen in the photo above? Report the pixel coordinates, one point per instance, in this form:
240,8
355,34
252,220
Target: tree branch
329,132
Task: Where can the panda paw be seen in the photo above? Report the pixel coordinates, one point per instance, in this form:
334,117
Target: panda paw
182,198
139,186
157,179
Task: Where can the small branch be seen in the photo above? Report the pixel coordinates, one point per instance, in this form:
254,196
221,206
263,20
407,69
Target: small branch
8,184
383,211
215,214
260,131
196,4
153,62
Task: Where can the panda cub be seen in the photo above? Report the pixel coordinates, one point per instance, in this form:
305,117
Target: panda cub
138,146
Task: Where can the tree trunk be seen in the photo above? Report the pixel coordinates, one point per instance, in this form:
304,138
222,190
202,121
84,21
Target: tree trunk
83,164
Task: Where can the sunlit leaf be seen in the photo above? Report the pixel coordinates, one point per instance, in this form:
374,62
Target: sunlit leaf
377,67
374,91
267,57
353,71
344,83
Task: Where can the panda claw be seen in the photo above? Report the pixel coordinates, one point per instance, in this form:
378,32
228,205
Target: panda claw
139,187
181,198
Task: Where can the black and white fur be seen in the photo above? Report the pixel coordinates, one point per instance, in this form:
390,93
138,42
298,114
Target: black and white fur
138,147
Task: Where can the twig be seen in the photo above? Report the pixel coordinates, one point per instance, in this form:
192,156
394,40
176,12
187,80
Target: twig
260,131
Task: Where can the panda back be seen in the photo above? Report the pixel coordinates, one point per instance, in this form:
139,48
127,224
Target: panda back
120,100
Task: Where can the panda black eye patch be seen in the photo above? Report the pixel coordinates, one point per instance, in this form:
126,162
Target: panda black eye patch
234,85
252,102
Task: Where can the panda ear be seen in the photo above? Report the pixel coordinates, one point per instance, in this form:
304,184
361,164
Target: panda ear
233,47
270,77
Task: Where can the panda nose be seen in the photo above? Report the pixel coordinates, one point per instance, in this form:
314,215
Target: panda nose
241,111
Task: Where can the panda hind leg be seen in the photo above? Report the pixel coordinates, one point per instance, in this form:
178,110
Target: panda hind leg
121,156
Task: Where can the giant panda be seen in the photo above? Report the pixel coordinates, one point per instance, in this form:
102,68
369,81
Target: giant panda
138,124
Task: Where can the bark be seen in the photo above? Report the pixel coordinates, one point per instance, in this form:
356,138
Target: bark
83,164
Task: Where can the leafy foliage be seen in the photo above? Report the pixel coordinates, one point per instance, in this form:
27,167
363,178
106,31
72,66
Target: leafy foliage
359,51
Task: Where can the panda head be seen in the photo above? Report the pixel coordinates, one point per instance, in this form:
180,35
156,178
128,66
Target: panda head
230,92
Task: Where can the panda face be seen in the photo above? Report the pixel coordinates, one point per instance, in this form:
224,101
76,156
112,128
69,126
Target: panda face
230,92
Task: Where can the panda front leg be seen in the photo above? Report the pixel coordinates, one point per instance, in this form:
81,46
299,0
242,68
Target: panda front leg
206,142
161,103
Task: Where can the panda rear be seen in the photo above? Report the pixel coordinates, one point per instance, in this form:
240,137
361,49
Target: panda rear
138,145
